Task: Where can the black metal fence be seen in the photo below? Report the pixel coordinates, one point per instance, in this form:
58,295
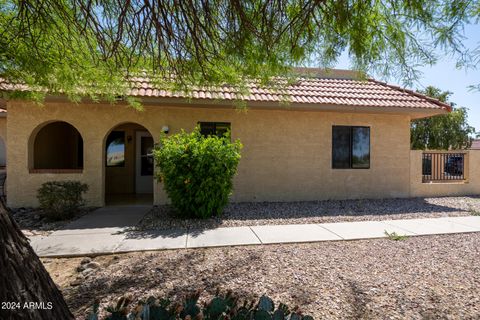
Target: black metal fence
443,166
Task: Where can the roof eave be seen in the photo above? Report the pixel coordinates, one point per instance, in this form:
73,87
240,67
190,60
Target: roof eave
415,113
211,103
441,104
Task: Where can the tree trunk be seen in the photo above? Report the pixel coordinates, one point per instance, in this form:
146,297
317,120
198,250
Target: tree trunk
26,289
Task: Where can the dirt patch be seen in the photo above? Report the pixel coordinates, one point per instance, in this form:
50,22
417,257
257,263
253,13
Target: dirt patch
434,277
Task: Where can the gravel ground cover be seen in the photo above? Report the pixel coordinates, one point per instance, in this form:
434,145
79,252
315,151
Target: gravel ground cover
434,277
32,221
261,213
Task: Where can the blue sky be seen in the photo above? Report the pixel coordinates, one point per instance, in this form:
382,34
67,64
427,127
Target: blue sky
115,148
445,76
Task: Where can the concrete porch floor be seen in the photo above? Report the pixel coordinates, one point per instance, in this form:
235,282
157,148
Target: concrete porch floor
129,199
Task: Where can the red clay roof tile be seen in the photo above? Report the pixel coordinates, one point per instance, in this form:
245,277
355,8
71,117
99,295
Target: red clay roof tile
312,90
475,145
329,89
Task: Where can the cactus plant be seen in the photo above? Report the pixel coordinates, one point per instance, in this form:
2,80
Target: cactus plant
94,314
190,306
266,304
120,310
221,306
262,315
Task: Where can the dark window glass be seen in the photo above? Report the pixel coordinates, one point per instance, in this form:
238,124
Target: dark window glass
341,147
116,149
454,165
146,148
360,147
350,147
222,128
214,128
427,165
207,128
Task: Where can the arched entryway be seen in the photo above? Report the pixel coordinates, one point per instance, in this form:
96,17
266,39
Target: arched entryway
129,165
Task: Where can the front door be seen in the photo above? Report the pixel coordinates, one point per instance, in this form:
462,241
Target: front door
144,162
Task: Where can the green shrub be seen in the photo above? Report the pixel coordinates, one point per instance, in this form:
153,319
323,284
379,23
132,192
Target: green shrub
222,306
61,199
197,171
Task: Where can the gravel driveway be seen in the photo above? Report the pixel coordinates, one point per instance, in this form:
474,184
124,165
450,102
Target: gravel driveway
261,213
434,277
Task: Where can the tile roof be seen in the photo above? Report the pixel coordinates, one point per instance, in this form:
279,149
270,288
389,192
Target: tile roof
332,88
307,90
475,145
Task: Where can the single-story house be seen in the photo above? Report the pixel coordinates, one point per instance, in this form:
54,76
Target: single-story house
338,137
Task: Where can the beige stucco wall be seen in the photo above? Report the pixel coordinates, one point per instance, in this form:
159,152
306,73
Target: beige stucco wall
3,137
471,186
286,155
3,128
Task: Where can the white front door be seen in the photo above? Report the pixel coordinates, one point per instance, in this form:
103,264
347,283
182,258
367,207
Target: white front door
143,162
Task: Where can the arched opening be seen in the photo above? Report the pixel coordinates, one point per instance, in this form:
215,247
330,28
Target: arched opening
129,165
58,145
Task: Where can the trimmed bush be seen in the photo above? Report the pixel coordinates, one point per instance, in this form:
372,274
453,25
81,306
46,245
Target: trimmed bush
222,306
61,199
197,171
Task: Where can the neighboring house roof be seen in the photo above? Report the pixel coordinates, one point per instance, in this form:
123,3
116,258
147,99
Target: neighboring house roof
475,145
313,87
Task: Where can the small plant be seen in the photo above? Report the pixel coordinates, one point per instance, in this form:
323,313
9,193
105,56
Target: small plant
473,212
395,236
61,199
197,171
222,306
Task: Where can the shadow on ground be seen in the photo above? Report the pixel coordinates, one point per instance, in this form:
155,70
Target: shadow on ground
371,279
151,274
254,213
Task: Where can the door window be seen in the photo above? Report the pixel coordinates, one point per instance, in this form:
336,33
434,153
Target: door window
146,156
116,149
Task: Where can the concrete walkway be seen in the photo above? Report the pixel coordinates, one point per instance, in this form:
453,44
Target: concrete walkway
109,237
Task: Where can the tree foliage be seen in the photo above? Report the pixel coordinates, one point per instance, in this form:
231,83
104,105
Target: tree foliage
442,132
87,47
